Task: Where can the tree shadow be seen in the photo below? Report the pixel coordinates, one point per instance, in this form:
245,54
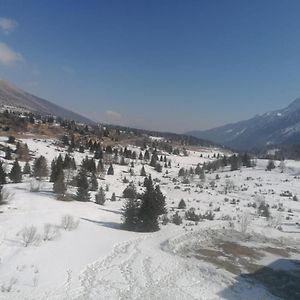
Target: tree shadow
112,225
280,279
111,210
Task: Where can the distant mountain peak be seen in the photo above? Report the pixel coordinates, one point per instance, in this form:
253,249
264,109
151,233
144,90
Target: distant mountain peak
295,105
274,127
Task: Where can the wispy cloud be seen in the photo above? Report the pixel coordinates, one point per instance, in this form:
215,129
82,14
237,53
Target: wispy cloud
68,70
113,115
8,56
7,25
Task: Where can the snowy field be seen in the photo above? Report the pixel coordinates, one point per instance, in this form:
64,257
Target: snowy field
92,257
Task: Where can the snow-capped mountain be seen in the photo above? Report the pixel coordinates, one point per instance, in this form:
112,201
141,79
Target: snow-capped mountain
15,98
275,127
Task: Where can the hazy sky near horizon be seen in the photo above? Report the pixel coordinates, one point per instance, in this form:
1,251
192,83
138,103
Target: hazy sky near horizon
160,64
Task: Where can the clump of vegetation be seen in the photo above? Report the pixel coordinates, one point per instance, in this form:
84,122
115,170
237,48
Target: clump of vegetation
100,196
176,219
181,204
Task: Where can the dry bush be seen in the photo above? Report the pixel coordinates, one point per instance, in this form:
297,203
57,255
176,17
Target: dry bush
29,236
35,185
51,232
5,196
245,221
69,223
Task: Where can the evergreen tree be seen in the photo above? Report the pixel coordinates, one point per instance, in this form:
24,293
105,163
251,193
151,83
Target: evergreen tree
202,175
100,167
40,168
158,167
131,214
15,174
27,168
82,193
8,152
152,205
110,170
246,161
198,169
2,174
59,186
182,204
94,183
113,197
100,196
130,191
147,155
143,172
234,163
154,160
181,172
270,165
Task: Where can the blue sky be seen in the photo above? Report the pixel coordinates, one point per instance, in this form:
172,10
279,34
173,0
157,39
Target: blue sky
163,65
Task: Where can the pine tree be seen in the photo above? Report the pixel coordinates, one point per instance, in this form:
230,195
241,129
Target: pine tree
143,172
113,197
130,191
270,165
8,153
15,174
154,160
40,168
82,193
100,167
202,175
100,196
110,170
94,183
152,205
146,155
54,170
27,169
234,163
131,214
59,186
2,174
181,204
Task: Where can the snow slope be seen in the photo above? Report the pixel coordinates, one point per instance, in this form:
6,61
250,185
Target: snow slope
99,260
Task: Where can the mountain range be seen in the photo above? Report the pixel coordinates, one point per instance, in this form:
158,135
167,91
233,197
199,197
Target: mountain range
15,98
273,128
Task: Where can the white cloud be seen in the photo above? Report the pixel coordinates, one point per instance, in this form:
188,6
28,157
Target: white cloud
113,115
7,25
8,56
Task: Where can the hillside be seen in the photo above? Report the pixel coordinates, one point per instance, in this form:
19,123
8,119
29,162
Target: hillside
275,127
14,98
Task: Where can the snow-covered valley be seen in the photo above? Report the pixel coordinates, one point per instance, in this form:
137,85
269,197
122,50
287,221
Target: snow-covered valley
81,251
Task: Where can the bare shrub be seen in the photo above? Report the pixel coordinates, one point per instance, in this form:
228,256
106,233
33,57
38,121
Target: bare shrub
68,223
245,221
51,232
5,196
29,236
35,185
276,220
6,288
229,186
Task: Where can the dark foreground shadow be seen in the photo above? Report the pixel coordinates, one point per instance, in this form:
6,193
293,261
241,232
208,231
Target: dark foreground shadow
113,225
281,279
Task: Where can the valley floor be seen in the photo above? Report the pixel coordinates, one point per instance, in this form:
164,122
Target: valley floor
93,258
